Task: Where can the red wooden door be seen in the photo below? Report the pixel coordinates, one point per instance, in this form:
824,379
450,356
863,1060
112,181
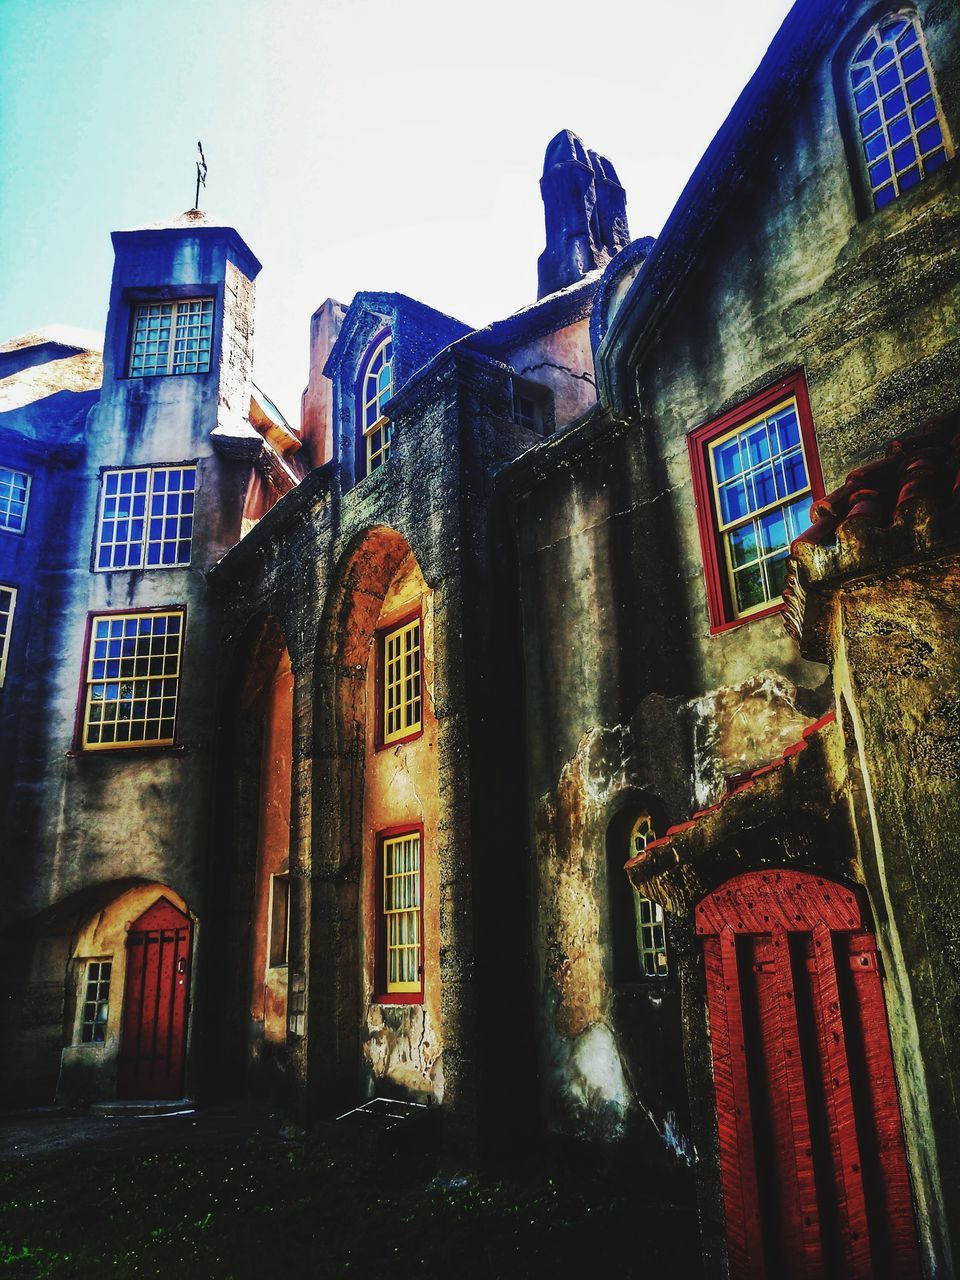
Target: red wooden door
815,1179
153,1039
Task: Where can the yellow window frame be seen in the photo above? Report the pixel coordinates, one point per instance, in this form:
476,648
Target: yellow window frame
402,903
402,682
153,679
725,529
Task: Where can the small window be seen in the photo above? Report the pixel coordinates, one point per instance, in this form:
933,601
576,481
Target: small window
651,934
401,911
755,474
401,682
8,602
14,496
279,920
132,680
96,1003
146,518
172,337
375,391
900,125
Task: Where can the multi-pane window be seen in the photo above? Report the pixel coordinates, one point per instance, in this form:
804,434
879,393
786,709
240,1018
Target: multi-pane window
132,680
401,898
761,494
96,1003
8,602
402,691
14,495
146,517
902,130
376,388
651,934
172,337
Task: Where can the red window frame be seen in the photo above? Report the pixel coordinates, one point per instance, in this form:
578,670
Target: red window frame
381,994
77,748
380,635
719,603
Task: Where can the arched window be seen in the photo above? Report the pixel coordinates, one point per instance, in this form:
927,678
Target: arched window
375,389
901,128
651,936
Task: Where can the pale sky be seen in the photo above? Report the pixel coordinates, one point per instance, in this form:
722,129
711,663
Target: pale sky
354,144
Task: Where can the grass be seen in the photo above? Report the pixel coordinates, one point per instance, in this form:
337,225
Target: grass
228,1212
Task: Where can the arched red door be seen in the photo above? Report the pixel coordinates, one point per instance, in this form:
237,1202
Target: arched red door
815,1179
155,996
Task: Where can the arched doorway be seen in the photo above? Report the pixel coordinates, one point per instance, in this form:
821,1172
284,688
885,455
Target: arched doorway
814,1172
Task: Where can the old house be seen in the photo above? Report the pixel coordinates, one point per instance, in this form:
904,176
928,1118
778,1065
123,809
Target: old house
559,728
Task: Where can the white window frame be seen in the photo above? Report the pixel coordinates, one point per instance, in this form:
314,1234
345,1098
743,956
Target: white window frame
6,590
22,475
145,540
174,309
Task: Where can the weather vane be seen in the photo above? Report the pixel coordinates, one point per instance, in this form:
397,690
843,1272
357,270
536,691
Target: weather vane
201,175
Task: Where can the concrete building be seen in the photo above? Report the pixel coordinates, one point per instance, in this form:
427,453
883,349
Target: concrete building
569,742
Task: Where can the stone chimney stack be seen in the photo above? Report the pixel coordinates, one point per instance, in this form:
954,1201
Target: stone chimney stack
585,211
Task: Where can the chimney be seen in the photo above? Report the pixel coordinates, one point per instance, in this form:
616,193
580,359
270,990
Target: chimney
585,211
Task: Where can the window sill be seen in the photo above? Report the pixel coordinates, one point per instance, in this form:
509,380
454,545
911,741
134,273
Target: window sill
171,749
721,627
398,998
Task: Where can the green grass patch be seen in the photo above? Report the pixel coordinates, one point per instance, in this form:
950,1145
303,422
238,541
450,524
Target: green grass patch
233,1212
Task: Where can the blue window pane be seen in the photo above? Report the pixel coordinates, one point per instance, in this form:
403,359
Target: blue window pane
879,173
883,57
383,381
749,588
139,504
376,363
912,62
190,479
372,413
930,138
895,105
890,30
159,481
867,50
858,75
883,197
733,501
865,97
924,113
756,445
907,39
888,80
909,179
187,503
875,147
791,475
103,558
743,545
169,552
764,488
935,162
870,123
726,459
905,156
153,553
798,517
785,430
918,87
899,129
773,531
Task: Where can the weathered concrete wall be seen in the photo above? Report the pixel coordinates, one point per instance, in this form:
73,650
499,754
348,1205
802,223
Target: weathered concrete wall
562,361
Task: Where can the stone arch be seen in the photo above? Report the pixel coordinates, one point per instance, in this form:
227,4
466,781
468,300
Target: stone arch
245,978
359,1035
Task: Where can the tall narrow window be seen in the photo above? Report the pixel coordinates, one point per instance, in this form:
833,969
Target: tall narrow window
146,517
279,920
132,680
8,602
755,473
902,130
14,495
401,910
172,337
402,692
651,933
96,1002
375,390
